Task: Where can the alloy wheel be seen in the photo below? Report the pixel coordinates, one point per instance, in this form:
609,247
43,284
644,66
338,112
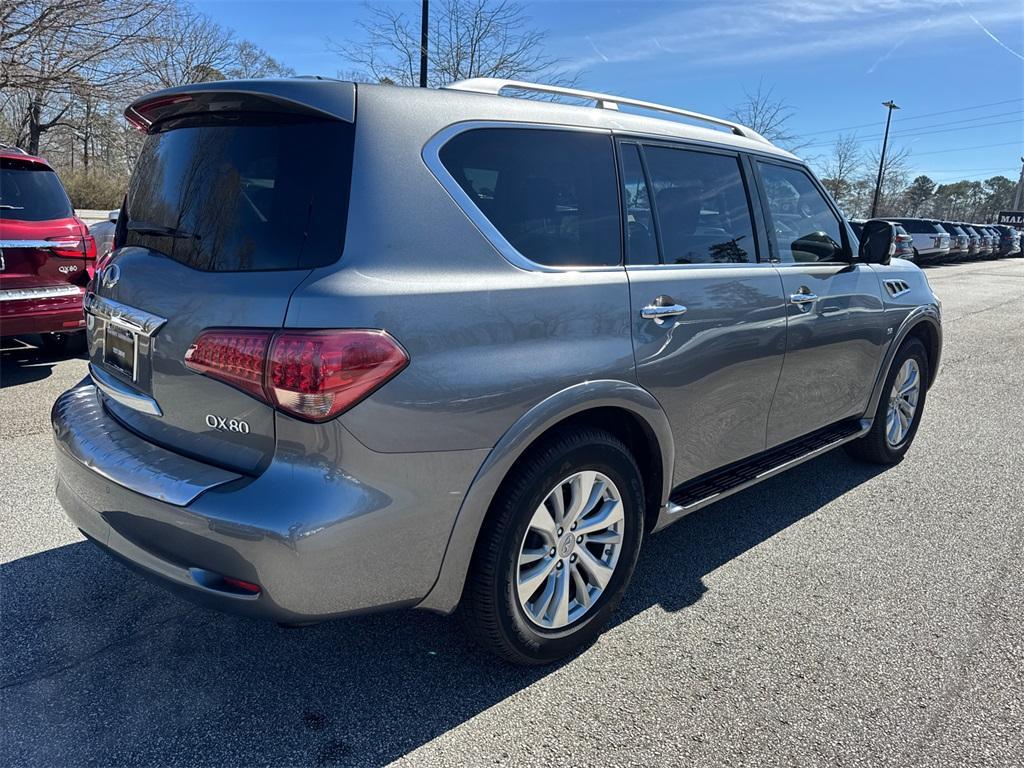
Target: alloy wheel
570,550
903,399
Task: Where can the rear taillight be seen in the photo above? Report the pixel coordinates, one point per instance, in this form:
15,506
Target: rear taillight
314,375
73,247
236,357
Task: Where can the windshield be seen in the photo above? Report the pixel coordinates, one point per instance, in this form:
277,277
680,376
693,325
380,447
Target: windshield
243,193
31,192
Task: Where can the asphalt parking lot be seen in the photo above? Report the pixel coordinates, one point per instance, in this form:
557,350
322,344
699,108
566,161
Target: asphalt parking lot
837,615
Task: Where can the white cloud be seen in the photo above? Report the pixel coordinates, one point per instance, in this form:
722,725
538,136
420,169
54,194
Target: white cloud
771,30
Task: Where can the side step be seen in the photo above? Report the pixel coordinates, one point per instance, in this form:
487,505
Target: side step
716,485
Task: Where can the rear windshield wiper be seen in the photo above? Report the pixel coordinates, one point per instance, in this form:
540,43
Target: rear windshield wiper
6,207
144,228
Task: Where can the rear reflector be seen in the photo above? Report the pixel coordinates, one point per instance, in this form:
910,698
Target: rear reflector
245,586
314,375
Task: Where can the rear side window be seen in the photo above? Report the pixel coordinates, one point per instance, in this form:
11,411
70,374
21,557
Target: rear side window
702,207
243,192
551,194
31,192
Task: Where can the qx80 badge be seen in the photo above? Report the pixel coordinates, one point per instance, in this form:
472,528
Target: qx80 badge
227,425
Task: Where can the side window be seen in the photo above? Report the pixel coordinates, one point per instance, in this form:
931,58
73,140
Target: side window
804,226
701,202
552,194
641,243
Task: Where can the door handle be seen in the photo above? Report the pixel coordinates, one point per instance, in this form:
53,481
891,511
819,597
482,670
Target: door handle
660,312
803,298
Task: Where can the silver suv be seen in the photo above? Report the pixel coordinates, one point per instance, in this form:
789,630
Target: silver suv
361,347
931,241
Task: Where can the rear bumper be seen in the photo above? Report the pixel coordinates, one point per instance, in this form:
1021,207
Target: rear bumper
319,542
58,311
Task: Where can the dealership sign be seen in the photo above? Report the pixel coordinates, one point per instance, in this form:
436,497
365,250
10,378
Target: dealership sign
1012,218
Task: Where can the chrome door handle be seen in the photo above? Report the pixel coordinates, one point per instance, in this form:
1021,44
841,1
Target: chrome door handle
658,313
803,298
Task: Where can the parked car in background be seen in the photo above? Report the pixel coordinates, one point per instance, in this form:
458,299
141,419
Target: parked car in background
1009,240
931,242
904,243
994,238
103,232
974,240
46,254
959,241
307,400
987,246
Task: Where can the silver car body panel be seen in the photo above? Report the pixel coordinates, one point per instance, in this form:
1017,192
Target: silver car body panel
382,505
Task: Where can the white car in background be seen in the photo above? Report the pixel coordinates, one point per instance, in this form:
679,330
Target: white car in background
931,241
103,233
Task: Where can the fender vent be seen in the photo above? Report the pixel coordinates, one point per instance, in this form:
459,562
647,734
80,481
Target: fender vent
896,287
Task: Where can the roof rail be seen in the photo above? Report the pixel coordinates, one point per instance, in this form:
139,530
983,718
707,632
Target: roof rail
495,86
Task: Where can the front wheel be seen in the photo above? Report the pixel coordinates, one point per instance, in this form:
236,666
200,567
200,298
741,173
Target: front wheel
899,409
558,548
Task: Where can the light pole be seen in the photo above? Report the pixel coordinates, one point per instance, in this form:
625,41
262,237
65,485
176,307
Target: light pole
424,20
890,105
1018,196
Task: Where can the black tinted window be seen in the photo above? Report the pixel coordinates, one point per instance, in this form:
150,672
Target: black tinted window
550,193
641,243
703,213
805,228
231,194
31,192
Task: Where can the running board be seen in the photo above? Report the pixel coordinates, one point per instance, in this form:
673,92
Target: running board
714,486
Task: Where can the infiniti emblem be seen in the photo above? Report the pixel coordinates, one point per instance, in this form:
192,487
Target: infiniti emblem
110,276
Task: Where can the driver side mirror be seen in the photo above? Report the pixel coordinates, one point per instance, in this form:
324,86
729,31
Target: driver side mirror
877,242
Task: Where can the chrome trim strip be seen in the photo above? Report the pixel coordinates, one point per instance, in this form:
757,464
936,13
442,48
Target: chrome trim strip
50,292
119,393
131,319
76,243
432,158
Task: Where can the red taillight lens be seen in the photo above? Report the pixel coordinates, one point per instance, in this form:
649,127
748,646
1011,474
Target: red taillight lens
71,247
236,357
90,247
314,375
318,374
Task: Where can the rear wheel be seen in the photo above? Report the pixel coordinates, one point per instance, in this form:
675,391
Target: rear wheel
558,548
899,409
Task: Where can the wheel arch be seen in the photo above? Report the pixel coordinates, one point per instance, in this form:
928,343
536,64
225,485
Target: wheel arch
923,323
623,408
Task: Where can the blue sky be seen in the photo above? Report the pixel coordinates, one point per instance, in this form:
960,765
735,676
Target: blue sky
834,61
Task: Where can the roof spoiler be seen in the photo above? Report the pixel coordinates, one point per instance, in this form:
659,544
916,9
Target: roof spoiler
334,99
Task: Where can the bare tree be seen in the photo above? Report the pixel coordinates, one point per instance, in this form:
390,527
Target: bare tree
895,175
53,51
468,38
841,169
767,114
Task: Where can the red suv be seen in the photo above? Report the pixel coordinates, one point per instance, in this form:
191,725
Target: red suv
46,253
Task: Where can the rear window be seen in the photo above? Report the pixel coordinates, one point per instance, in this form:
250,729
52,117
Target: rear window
31,192
233,193
551,194
919,227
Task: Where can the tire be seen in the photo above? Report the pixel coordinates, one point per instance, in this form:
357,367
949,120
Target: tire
63,344
492,607
877,446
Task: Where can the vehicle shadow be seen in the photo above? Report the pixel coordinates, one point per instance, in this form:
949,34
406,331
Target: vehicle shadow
23,361
102,667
